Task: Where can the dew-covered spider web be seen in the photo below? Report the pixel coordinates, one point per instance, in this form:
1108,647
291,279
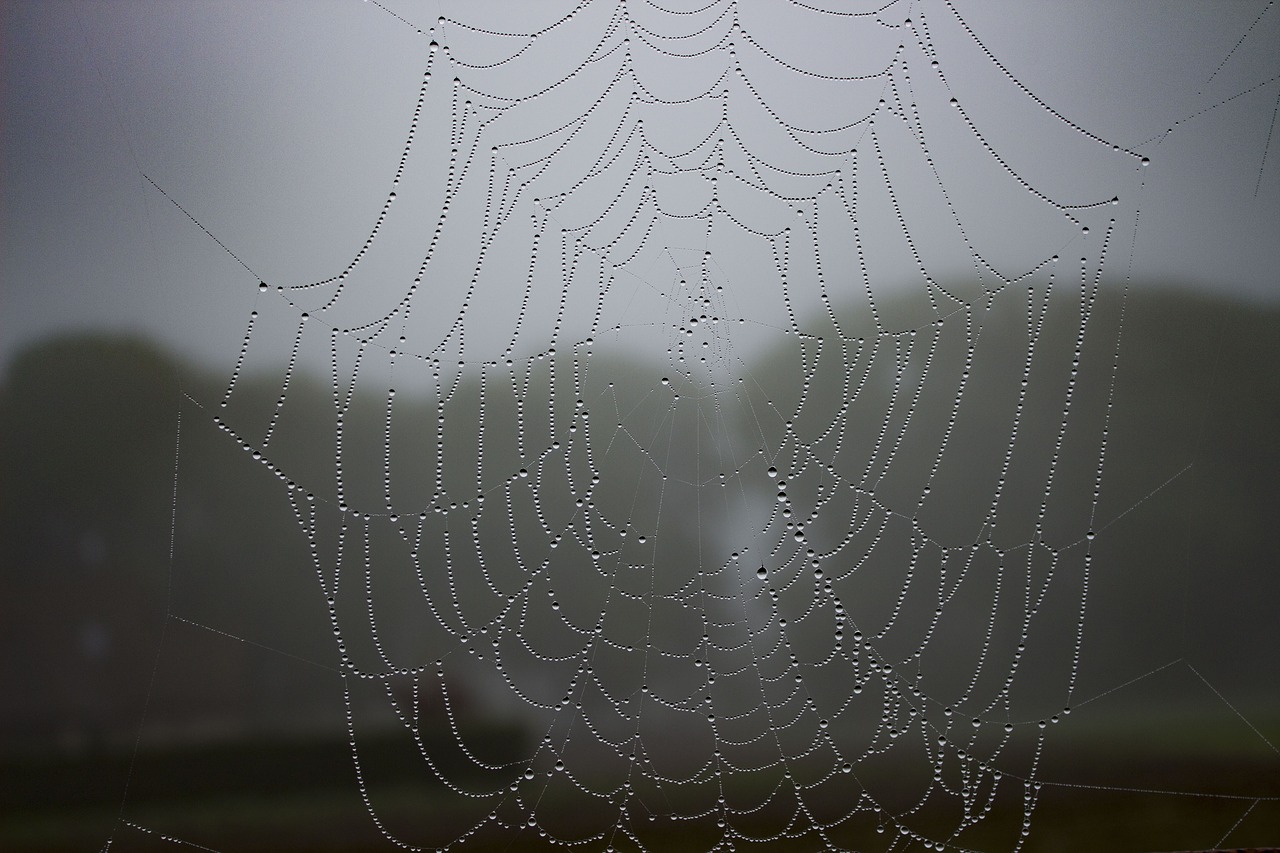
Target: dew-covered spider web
715,438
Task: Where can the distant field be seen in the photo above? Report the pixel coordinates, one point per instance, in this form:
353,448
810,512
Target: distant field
1134,784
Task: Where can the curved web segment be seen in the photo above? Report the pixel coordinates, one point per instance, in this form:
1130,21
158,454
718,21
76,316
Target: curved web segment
741,397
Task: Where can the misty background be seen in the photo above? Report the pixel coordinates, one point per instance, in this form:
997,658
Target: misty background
278,127
242,112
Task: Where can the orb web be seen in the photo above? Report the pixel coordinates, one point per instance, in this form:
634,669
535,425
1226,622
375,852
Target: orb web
662,390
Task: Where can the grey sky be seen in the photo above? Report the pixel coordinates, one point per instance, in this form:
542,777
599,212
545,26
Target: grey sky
279,126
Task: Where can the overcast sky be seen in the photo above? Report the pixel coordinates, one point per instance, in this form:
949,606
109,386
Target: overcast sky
279,125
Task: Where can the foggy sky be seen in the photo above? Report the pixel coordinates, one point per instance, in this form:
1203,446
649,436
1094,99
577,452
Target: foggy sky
278,125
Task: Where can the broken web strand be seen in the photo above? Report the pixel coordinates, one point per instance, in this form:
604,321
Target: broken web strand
889,437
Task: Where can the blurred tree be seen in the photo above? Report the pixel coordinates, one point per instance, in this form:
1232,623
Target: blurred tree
86,458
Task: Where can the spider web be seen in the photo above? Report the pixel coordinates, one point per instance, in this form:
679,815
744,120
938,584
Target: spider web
723,392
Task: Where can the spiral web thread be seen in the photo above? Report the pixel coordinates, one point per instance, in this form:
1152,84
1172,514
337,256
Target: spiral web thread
708,519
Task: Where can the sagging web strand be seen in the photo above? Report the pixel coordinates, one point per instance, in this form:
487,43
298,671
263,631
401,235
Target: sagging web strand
753,559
